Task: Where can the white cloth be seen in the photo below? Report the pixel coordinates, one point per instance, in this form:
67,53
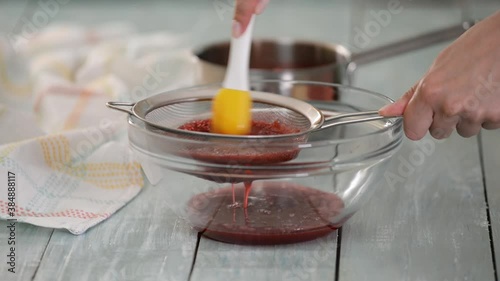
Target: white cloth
67,150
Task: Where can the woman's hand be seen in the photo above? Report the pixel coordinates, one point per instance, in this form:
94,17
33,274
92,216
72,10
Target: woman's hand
460,90
244,11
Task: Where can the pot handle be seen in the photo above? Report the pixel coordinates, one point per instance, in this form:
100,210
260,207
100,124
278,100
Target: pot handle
121,106
355,117
409,44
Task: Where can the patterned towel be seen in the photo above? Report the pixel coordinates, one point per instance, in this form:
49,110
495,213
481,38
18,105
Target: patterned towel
72,180
64,156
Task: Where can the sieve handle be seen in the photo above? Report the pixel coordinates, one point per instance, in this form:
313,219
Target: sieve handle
121,106
355,117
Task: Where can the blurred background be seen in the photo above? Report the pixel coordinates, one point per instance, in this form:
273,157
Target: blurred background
317,19
193,23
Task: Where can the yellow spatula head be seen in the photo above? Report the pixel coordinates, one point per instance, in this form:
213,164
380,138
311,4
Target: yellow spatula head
231,112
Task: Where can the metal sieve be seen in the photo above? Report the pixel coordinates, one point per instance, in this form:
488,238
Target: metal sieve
169,111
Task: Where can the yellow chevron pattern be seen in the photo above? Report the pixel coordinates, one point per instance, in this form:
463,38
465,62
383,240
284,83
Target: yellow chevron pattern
107,175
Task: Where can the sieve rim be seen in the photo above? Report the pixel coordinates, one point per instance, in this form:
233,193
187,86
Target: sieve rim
308,111
132,111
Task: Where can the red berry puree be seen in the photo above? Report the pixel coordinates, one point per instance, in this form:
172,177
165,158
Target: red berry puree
277,213
263,212
247,153
258,127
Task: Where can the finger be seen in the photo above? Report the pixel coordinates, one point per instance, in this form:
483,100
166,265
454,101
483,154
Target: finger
243,12
417,117
440,133
491,125
442,126
397,108
468,129
492,122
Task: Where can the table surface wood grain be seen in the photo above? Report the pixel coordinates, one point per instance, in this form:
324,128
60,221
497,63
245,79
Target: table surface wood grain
440,222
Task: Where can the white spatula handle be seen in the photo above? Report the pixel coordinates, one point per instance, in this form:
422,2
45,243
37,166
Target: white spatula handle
239,60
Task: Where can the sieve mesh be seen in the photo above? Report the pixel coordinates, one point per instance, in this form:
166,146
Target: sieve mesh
176,114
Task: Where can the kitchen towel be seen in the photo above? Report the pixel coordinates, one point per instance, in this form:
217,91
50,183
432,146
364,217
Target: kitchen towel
64,156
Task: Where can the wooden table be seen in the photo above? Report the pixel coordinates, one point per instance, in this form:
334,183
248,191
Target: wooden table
434,226
441,222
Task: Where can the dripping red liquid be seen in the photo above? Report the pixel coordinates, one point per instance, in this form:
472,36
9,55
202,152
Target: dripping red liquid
271,212
276,213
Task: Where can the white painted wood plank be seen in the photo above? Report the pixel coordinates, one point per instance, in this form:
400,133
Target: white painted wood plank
312,260
431,225
30,243
491,160
143,241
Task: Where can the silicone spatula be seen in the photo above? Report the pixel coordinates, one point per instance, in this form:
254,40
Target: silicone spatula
231,107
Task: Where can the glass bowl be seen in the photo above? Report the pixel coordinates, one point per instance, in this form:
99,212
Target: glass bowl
272,192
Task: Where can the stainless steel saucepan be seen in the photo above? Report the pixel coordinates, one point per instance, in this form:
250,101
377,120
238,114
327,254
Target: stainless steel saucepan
286,59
